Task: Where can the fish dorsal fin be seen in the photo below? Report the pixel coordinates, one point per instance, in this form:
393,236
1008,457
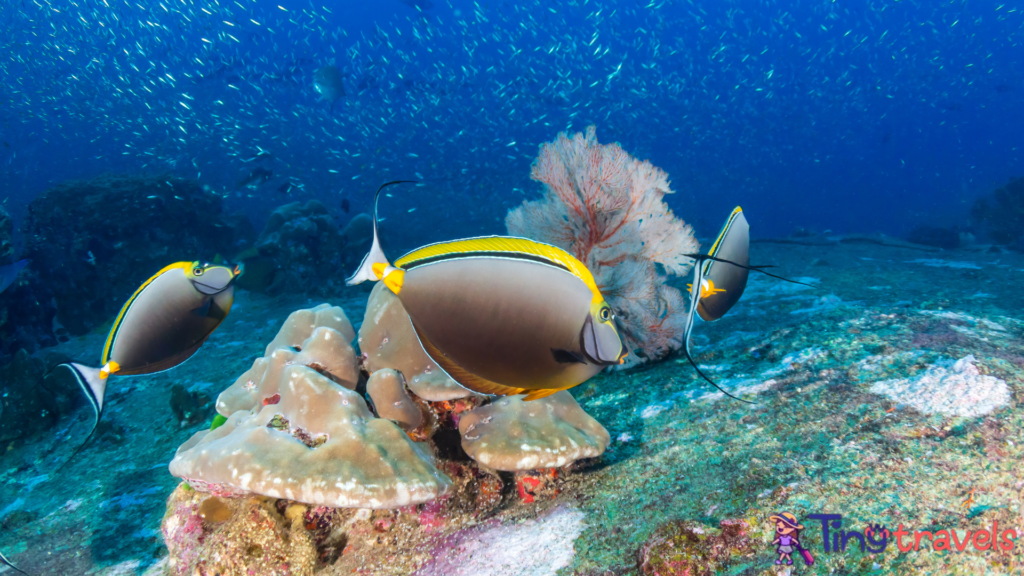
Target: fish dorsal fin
460,374
538,394
500,247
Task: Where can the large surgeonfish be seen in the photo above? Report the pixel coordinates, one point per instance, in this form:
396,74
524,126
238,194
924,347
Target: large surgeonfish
719,279
163,324
328,84
501,315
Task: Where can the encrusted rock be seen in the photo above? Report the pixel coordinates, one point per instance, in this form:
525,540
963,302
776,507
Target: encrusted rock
387,390
510,434
318,444
692,549
299,326
305,340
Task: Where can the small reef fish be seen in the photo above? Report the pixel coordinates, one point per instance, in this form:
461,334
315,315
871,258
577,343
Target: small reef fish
501,315
163,324
255,178
328,84
9,273
719,279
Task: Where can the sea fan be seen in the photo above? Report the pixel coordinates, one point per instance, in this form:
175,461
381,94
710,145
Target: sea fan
606,208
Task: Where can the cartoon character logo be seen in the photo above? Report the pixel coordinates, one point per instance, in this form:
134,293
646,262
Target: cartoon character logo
787,539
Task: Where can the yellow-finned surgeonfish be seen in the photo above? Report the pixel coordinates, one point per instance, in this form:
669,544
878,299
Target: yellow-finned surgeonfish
501,315
163,324
719,279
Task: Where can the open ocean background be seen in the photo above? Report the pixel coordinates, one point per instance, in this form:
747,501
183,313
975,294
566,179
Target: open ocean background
850,116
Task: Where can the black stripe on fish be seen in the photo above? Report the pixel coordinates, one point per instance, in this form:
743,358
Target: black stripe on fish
567,357
505,255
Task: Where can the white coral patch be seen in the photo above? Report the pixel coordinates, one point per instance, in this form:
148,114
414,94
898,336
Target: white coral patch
538,547
956,388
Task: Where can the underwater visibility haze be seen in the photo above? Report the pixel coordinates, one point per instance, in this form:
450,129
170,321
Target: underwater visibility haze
575,287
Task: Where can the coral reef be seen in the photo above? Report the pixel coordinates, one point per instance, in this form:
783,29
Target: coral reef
93,242
386,388
6,237
25,407
948,386
317,443
510,434
189,407
304,243
1001,215
317,338
607,209
685,548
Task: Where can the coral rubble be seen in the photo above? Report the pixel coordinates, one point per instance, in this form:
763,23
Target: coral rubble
606,208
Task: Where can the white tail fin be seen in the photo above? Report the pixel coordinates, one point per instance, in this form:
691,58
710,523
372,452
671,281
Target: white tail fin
376,255
92,382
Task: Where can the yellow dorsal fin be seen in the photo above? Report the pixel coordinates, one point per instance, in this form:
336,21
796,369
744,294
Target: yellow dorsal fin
460,375
501,246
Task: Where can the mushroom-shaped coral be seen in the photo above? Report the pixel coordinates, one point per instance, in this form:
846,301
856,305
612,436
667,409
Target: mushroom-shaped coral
387,340
299,326
325,350
387,390
319,445
514,435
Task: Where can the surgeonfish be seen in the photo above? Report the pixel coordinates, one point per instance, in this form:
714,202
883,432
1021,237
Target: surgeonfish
719,279
328,84
501,315
162,325
9,273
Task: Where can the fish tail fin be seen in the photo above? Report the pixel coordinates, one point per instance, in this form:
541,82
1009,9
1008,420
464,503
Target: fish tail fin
9,563
375,265
93,382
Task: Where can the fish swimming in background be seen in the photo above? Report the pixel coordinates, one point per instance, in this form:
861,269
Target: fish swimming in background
344,205
162,325
9,273
501,315
256,177
719,279
328,84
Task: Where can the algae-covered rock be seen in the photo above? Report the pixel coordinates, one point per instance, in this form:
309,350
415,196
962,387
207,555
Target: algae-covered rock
24,406
93,242
685,548
305,244
210,535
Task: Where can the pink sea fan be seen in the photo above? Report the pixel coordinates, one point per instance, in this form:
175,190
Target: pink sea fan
606,208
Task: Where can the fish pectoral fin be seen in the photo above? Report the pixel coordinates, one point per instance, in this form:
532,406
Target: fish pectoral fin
538,394
204,309
563,356
460,374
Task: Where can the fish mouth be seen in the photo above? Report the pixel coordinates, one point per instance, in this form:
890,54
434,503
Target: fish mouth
208,289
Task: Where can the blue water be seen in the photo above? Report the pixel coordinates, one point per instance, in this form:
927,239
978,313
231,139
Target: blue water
850,115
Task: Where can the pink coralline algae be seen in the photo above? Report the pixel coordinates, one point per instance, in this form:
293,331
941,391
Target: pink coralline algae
606,208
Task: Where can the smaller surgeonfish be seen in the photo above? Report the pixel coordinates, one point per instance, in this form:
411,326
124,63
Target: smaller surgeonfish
501,315
328,84
719,279
9,273
163,324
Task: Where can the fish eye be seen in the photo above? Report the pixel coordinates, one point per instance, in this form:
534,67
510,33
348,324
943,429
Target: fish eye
197,271
606,313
